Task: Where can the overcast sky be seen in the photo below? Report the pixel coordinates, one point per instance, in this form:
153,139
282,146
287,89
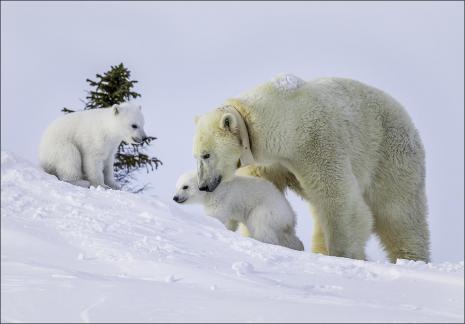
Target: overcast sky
190,56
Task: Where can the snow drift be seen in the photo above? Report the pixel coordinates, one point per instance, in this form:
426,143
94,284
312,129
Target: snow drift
95,255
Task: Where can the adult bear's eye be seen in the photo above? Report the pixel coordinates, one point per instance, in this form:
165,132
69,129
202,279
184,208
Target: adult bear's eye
185,187
205,156
134,126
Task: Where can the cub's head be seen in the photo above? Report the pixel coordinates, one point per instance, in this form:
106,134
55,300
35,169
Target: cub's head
217,148
129,122
187,190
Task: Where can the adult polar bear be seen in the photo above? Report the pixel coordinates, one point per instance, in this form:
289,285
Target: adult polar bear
349,149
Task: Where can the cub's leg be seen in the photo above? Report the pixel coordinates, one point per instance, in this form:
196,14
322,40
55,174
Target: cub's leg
108,173
258,224
68,167
288,239
264,226
93,168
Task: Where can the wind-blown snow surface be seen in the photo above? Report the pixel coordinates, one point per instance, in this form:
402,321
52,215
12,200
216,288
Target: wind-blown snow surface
74,254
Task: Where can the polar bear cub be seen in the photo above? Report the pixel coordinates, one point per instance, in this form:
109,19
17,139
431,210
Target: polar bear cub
80,147
255,202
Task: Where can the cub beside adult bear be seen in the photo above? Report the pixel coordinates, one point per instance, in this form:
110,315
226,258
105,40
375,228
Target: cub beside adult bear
251,201
348,149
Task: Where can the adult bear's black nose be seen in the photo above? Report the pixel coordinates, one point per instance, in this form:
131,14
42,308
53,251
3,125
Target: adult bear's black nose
176,198
203,188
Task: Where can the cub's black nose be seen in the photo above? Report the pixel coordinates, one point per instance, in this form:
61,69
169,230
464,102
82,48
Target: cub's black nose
203,188
176,198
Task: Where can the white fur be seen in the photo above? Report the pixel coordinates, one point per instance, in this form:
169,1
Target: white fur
347,148
80,147
254,202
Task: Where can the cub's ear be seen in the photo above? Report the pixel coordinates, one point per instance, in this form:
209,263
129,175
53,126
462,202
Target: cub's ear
115,108
228,122
196,119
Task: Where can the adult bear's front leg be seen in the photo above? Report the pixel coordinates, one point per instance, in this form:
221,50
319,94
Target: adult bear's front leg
345,219
318,237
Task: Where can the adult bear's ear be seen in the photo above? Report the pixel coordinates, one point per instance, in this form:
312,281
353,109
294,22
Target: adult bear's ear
115,108
228,122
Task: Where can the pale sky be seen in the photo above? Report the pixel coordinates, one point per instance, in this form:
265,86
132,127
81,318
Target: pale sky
190,56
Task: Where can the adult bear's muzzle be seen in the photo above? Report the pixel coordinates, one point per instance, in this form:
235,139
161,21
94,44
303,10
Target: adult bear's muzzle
210,186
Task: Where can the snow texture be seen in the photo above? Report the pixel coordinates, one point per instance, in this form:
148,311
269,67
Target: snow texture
287,82
71,254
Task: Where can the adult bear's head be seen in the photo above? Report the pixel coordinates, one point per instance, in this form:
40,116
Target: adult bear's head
220,142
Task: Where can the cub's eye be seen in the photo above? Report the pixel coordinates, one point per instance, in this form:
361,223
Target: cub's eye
185,187
134,126
205,156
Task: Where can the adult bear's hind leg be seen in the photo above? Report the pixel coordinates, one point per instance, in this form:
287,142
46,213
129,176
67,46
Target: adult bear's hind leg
402,227
397,197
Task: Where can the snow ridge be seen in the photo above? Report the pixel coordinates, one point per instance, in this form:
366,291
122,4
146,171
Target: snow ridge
106,256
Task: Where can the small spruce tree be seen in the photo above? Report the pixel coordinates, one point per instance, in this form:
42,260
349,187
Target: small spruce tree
115,87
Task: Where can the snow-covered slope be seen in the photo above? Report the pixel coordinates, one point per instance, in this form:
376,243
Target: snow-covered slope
91,255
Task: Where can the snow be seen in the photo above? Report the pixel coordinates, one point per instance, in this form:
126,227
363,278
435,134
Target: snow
71,254
287,82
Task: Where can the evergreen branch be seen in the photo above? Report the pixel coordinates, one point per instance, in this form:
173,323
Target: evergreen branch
67,111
